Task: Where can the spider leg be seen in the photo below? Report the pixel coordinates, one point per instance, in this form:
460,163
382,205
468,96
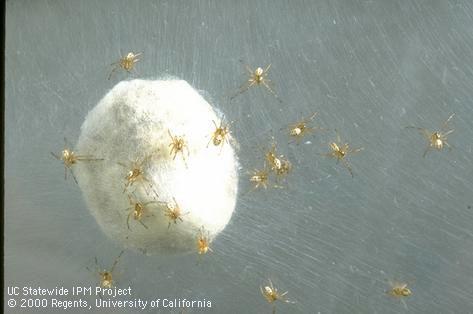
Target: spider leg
73,176
267,69
127,185
404,303
115,68
133,69
243,88
184,160
307,129
338,136
426,151
249,70
128,220
116,261
97,268
444,125
170,135
312,117
150,202
55,156
448,132
143,224
354,151
251,81
211,138
147,191
265,83
448,145
347,165
426,133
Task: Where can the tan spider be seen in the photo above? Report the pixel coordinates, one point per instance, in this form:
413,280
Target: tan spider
279,165
340,151
173,212
126,63
284,169
203,242
136,173
178,144
437,139
259,178
399,290
106,276
137,210
220,135
271,294
257,77
299,129
69,159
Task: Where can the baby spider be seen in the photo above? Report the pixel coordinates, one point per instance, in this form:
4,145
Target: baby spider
135,173
436,140
69,158
137,209
178,144
203,242
173,212
220,135
340,151
399,291
284,169
279,165
106,276
299,129
259,178
258,77
271,294
126,63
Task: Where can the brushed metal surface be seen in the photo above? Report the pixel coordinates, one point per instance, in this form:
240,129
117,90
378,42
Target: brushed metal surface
369,68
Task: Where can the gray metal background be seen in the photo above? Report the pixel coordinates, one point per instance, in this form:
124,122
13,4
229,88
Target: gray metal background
369,68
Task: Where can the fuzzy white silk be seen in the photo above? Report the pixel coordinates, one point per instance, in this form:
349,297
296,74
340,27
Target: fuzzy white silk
131,123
